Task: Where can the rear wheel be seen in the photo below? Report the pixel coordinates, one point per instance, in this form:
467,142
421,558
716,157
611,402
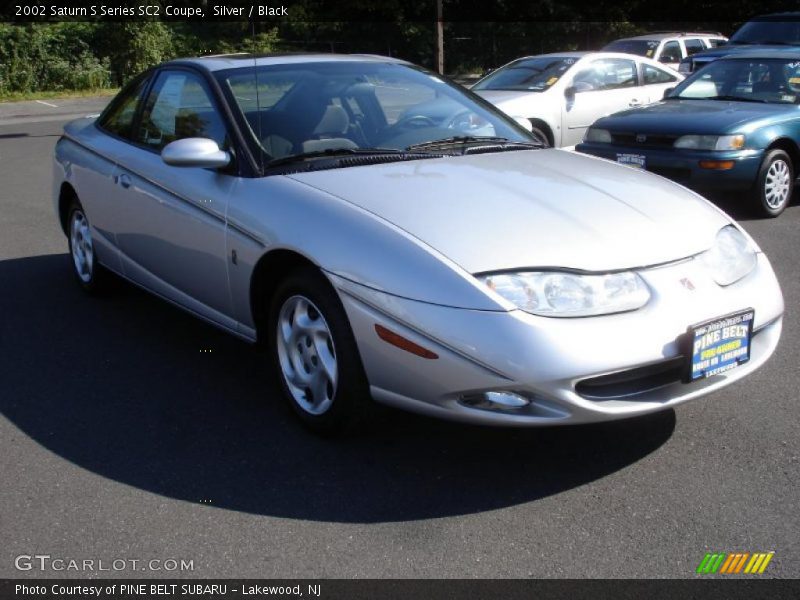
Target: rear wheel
90,274
774,184
315,354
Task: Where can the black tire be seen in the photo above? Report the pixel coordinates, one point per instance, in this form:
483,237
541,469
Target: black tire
93,278
776,166
539,134
348,403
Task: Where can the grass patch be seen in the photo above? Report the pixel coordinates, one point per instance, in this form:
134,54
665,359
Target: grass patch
22,96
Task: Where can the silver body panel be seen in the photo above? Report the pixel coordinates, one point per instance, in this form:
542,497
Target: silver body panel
400,243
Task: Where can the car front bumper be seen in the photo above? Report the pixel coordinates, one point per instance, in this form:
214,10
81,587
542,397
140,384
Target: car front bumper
559,364
683,166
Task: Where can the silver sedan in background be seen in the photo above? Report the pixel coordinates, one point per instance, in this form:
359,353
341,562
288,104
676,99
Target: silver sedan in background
562,94
390,236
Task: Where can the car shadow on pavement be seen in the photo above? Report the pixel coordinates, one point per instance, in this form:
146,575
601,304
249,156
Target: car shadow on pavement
135,390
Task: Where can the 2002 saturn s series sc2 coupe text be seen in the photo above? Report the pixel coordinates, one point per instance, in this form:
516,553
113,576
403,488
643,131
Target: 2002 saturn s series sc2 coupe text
443,264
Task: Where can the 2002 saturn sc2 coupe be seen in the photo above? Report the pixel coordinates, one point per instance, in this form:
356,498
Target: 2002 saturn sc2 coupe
390,236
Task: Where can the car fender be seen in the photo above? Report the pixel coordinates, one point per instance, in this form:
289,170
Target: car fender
279,213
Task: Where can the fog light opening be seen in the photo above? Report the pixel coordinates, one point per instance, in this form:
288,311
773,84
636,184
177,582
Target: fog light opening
495,400
717,165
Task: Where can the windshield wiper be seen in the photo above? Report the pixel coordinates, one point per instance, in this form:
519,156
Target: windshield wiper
736,99
501,142
331,153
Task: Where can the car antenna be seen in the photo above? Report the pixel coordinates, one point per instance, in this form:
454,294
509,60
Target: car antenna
258,100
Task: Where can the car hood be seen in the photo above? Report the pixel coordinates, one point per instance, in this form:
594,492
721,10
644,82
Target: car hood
696,116
533,208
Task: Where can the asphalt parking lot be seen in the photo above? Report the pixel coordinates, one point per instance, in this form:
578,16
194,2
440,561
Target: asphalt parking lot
130,430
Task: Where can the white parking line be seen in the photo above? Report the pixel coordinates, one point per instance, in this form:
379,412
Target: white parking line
46,103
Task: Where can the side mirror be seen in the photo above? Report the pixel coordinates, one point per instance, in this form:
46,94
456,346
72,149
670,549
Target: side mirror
577,88
667,92
195,152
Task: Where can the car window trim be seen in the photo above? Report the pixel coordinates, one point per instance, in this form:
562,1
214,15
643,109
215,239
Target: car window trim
242,168
120,98
166,70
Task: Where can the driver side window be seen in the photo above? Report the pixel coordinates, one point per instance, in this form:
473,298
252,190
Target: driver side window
179,106
607,74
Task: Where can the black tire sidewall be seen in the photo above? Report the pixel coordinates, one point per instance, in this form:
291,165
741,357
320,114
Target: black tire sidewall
760,193
351,399
539,134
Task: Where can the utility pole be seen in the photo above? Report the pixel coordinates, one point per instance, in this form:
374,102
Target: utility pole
439,56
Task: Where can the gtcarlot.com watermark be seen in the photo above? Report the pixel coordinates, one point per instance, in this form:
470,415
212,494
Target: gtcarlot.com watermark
46,562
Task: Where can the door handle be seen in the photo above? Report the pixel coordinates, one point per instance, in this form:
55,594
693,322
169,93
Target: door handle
124,180
635,102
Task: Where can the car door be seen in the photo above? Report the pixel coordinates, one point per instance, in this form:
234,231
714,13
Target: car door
170,222
96,178
603,87
671,54
655,81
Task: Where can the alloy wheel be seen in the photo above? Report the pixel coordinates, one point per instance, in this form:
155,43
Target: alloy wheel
307,355
81,246
777,184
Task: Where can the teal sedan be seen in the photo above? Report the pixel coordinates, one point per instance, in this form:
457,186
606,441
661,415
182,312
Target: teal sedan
733,126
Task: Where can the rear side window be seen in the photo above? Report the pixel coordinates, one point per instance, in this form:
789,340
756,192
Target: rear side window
179,106
693,46
714,42
652,75
120,115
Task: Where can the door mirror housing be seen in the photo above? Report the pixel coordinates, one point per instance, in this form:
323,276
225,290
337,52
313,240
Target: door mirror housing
576,88
667,92
195,152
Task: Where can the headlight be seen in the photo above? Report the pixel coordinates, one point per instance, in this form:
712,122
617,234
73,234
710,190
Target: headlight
710,142
730,258
593,134
556,294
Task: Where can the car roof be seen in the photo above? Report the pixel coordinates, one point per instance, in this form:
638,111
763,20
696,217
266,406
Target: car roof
661,35
232,61
588,54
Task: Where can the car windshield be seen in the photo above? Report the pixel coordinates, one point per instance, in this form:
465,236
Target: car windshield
332,108
768,32
528,74
639,47
774,80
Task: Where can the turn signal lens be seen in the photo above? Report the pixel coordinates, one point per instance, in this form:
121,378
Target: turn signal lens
395,339
717,165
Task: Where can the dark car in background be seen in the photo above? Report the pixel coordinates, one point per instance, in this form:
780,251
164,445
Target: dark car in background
734,126
761,33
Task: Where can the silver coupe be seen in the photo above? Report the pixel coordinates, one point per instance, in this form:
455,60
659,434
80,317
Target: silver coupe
389,236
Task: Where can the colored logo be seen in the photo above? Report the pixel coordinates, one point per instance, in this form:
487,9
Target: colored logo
734,563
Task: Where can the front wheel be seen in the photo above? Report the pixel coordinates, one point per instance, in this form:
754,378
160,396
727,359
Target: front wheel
315,354
774,184
90,274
